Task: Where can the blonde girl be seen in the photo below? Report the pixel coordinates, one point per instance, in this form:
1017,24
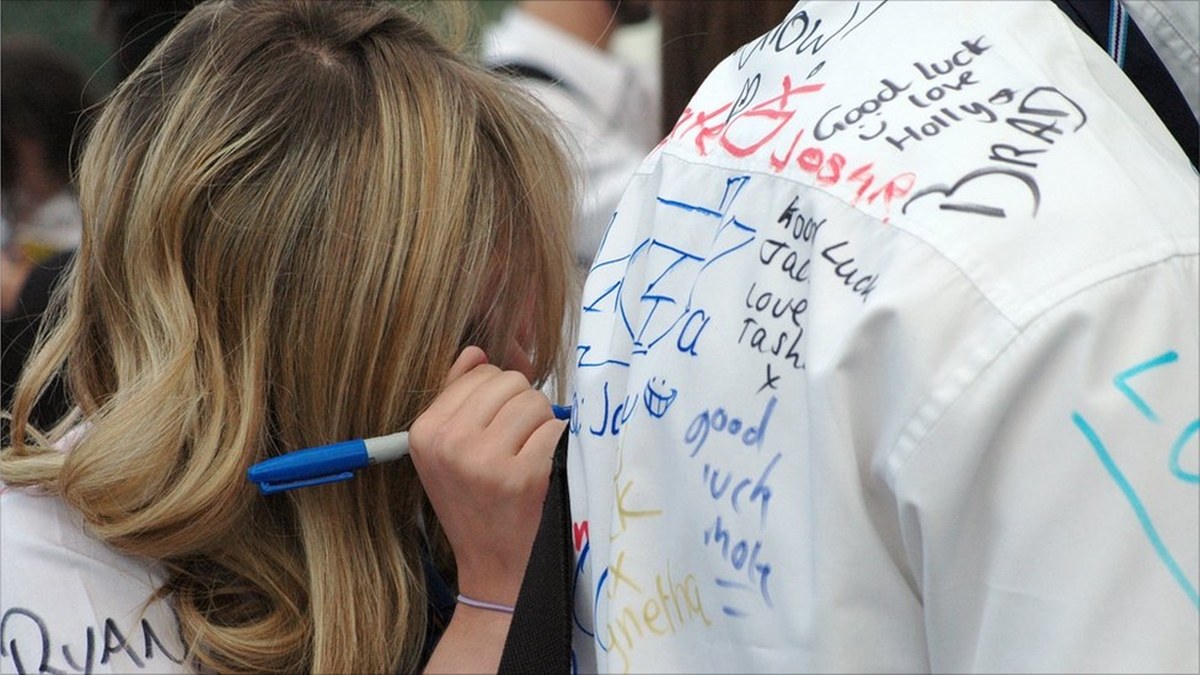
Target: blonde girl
296,215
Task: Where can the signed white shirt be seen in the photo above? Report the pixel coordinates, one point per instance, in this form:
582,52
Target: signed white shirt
890,361
72,604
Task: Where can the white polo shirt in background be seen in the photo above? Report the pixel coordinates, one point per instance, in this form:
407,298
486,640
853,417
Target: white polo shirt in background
609,107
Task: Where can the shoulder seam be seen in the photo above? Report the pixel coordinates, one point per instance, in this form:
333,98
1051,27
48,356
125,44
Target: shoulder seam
897,459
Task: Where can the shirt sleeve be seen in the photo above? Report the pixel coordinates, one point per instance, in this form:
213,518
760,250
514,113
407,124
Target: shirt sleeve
1051,512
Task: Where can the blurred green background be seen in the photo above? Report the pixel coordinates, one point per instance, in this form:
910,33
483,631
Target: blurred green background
70,25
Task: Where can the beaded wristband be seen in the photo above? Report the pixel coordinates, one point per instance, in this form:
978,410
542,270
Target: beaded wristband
472,602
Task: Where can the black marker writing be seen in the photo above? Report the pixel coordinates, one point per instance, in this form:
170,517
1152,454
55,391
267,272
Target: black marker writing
18,645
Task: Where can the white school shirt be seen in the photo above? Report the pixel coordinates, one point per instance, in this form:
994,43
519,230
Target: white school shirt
890,361
72,604
609,109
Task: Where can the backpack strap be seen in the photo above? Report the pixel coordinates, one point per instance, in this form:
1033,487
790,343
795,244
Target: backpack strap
524,71
1109,26
539,638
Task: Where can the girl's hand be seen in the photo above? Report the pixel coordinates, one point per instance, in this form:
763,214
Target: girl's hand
483,451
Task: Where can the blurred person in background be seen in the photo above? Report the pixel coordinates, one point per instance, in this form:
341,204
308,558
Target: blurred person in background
45,102
560,50
616,108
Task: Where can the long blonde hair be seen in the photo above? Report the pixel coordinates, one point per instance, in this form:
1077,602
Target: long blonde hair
296,213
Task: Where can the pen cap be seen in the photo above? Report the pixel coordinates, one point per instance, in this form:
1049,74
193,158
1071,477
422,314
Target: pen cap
323,461
269,488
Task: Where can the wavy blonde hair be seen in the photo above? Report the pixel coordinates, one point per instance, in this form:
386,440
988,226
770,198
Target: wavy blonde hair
296,213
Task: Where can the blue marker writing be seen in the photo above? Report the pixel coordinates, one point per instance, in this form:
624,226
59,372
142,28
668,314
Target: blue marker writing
336,461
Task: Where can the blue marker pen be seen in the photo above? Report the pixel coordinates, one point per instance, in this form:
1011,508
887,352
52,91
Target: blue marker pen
326,463
336,461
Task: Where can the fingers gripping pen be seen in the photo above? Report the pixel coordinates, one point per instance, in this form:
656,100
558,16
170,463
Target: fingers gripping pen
336,461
